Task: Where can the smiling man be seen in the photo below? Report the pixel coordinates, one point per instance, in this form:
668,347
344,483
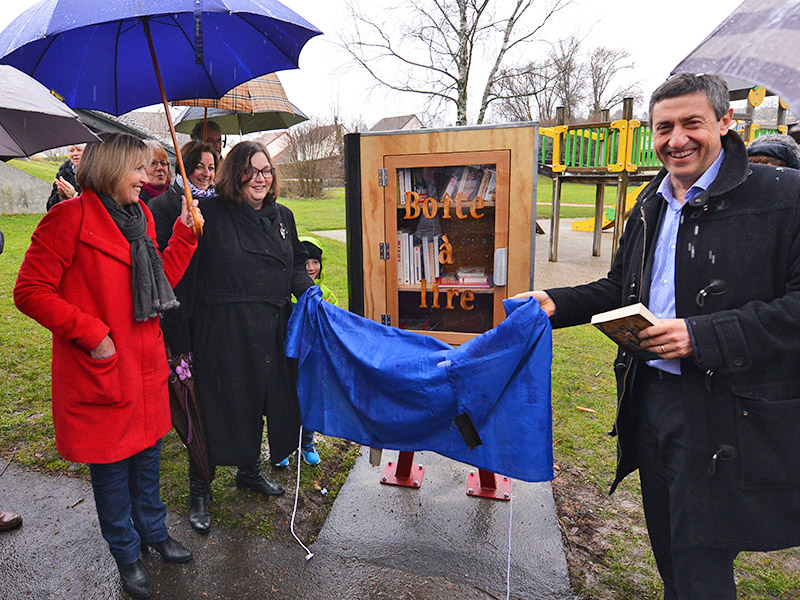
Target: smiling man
712,247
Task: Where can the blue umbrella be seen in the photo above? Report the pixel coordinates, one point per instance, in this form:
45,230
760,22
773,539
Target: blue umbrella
95,55
110,55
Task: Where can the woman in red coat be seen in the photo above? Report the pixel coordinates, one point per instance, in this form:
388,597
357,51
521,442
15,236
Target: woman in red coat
94,278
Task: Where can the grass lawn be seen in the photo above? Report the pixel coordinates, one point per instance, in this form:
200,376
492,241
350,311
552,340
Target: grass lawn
38,168
604,537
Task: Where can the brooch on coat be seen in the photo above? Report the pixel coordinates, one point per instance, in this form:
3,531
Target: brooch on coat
283,231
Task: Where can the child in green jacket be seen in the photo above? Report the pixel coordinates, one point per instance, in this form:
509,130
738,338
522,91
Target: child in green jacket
314,270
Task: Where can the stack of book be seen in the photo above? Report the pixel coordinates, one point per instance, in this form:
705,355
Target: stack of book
466,278
417,258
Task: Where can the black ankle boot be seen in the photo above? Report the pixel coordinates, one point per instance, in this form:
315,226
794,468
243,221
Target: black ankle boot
135,579
171,551
250,477
199,504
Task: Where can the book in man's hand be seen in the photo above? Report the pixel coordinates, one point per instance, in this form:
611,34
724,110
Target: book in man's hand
623,326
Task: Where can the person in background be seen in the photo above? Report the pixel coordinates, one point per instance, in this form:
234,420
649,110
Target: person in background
213,135
93,277
158,172
249,263
711,248
201,163
774,149
65,185
314,269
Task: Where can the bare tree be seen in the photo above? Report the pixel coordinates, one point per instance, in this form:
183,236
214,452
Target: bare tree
570,74
312,157
566,78
527,93
432,47
604,67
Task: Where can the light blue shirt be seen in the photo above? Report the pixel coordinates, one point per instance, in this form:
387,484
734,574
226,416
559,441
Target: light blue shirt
662,282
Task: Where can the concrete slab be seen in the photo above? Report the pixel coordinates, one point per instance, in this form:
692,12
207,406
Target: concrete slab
422,538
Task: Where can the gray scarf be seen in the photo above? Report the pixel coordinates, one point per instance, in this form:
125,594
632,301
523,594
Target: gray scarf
152,293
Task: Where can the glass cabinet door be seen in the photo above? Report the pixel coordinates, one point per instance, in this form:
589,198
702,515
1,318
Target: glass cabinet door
447,228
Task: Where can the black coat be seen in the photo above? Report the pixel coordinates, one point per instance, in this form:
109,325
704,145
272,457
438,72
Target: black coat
243,283
166,209
65,171
742,389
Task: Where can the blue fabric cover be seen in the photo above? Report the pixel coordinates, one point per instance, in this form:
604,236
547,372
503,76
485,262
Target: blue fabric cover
389,388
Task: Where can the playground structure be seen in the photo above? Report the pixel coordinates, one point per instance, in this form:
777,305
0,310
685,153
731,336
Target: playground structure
620,153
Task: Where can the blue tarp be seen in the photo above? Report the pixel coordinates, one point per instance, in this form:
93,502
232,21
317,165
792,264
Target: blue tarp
389,388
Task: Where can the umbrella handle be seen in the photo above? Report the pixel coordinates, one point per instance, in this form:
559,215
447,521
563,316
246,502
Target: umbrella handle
197,227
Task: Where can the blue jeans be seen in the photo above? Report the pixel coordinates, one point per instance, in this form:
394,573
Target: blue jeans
129,506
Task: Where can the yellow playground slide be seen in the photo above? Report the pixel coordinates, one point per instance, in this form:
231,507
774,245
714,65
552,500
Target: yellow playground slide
609,212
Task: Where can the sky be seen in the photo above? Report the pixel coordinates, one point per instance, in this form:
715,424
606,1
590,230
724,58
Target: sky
657,33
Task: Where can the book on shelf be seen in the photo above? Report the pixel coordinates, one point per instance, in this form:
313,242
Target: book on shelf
484,184
403,271
471,274
400,258
427,265
452,281
490,187
623,325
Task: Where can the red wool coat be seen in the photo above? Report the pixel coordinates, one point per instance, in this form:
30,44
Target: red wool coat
76,281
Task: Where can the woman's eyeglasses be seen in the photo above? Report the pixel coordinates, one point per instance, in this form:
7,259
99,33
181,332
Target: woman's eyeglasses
266,172
164,164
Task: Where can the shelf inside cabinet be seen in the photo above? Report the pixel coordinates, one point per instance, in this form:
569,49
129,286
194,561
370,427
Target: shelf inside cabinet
444,287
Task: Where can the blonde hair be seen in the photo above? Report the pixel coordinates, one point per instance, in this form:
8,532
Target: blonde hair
158,153
105,164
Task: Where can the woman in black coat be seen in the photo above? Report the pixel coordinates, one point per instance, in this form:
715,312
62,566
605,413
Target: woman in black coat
249,263
201,164
66,185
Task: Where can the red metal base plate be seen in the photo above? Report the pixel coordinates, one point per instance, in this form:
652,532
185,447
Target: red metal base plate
502,491
414,479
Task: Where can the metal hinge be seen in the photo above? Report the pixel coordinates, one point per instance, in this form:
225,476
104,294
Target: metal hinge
386,319
383,177
384,250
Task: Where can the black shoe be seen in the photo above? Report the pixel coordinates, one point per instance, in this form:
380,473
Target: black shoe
171,551
252,478
135,579
199,503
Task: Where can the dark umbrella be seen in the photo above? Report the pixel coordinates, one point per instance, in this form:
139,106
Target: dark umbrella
110,56
186,417
32,119
757,44
257,105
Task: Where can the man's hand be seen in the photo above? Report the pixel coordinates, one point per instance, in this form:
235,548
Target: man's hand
669,339
545,301
105,349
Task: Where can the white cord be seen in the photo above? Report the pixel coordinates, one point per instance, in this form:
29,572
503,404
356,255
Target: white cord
510,520
309,554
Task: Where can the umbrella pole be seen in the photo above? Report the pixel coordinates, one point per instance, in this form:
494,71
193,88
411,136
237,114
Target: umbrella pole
187,192
205,123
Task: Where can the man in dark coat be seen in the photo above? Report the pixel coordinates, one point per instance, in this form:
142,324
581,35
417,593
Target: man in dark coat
712,247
